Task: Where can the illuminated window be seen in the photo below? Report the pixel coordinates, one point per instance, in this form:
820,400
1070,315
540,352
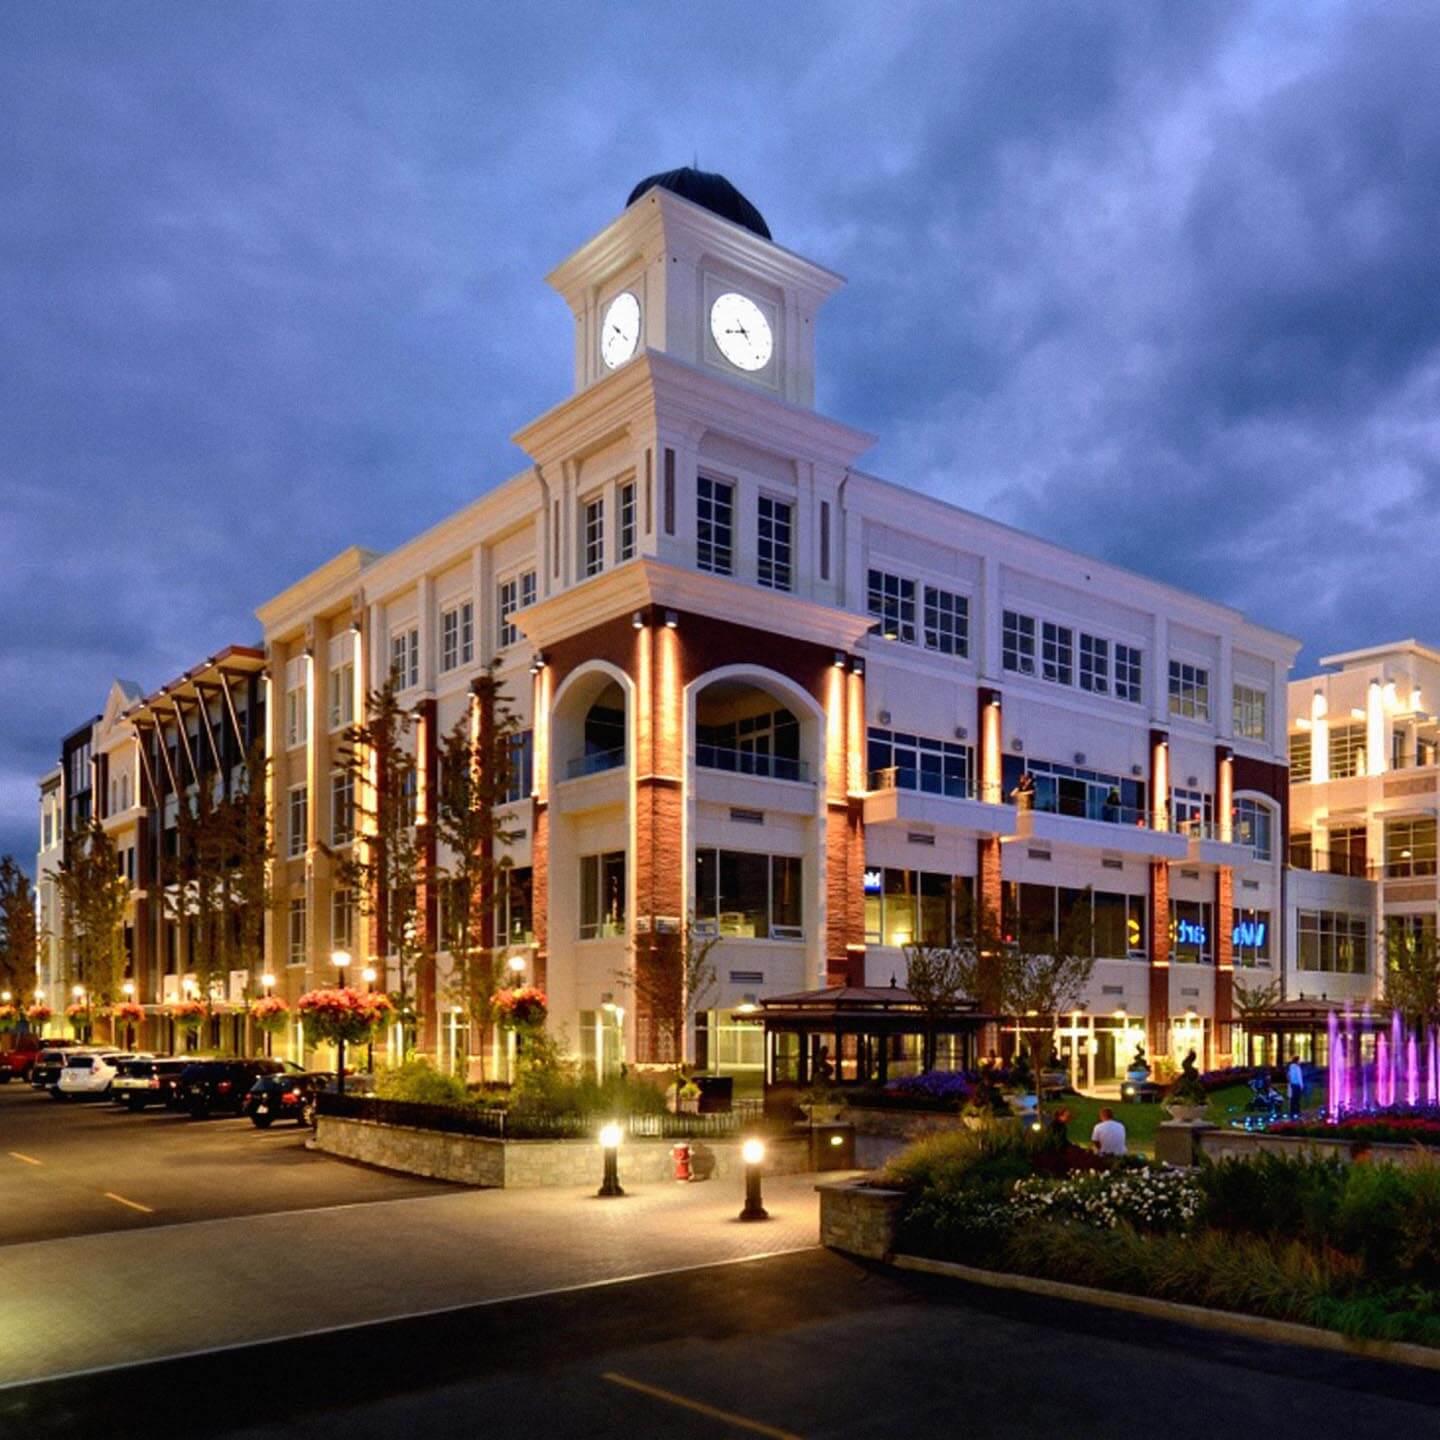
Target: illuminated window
947,622
1189,690
1127,673
1347,751
1253,822
1192,932
749,895
296,951
602,895
1094,664
405,658
1250,937
299,818
1332,942
1409,848
1300,751
892,600
1057,653
1017,642
457,635
1249,713
342,807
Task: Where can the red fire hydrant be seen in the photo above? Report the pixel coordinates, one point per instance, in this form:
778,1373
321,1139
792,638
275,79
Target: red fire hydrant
680,1154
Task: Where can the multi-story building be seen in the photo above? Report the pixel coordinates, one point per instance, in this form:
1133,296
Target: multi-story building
49,960
783,699
1365,759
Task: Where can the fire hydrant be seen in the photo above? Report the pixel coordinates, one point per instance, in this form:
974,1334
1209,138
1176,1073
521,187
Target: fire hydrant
681,1156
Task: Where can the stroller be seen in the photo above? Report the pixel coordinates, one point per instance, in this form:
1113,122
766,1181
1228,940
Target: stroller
1265,1099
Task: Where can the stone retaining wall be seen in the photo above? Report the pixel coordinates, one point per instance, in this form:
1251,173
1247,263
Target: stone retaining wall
900,1124
1222,1144
859,1219
533,1164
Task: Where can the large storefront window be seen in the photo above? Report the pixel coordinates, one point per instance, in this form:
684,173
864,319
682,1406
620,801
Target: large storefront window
908,907
1038,914
1071,790
1250,937
602,895
751,896
1192,932
914,762
1332,942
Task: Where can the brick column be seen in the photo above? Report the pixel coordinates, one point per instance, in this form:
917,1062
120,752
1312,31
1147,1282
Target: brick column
989,890
845,892
426,908
1224,962
540,888
1159,996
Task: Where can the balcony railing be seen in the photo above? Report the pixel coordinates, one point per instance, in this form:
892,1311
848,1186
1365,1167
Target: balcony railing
1357,867
594,763
927,782
1102,810
749,762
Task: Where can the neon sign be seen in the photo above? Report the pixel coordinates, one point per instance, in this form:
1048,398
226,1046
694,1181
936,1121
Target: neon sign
1250,934
873,883
1190,932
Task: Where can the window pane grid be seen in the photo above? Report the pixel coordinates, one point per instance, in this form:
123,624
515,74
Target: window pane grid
714,526
947,622
626,535
1189,690
892,599
1017,642
773,566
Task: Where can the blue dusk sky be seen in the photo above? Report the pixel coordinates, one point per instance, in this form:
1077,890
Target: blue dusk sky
1157,281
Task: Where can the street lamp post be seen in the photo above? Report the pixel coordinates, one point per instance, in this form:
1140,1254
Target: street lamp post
368,976
752,1152
79,993
128,991
340,959
268,981
610,1147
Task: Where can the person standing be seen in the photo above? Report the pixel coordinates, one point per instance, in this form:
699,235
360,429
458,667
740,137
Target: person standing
1295,1078
1108,1137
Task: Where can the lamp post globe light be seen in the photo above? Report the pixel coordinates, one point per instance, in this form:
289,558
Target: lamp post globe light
340,959
516,964
610,1148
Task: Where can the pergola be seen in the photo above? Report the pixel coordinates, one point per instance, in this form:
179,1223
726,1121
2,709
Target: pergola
1294,1027
861,1035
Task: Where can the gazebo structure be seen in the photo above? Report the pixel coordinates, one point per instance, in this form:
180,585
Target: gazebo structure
1295,1027
861,1035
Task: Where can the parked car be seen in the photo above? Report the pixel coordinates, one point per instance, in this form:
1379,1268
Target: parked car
45,1073
85,1074
213,1085
289,1095
19,1059
153,1081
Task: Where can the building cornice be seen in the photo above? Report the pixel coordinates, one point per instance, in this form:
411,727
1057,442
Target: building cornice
643,583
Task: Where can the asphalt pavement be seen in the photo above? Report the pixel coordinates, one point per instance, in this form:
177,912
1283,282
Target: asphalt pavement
806,1345
85,1167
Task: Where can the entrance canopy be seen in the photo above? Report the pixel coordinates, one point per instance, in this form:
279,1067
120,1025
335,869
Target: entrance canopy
862,1035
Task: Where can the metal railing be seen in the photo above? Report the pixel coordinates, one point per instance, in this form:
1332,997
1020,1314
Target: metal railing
909,777
1335,862
594,763
749,762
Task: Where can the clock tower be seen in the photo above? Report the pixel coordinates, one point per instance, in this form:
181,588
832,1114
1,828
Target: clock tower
689,268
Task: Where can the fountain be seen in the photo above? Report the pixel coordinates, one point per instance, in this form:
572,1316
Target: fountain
1404,1068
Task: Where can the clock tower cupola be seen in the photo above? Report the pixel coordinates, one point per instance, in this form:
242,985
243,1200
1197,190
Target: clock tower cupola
690,268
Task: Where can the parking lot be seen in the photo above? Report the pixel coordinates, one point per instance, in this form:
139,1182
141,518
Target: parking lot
85,1167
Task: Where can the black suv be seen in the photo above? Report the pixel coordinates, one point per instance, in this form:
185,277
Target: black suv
149,1082
287,1096
215,1085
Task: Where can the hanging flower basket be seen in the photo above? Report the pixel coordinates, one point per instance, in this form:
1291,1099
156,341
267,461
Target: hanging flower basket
523,1008
79,1015
127,1012
9,1017
349,1015
38,1014
187,1014
270,1013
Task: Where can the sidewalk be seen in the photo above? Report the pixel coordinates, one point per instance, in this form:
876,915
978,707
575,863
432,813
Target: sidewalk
129,1296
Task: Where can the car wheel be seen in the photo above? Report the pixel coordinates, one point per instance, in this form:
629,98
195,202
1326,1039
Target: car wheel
56,1093
4,1077
307,1113
134,1104
262,1122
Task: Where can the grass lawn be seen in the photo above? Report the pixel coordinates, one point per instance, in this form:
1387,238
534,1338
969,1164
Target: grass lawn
1140,1121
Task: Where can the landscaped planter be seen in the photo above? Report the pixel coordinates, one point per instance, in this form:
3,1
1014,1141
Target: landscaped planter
536,1164
900,1123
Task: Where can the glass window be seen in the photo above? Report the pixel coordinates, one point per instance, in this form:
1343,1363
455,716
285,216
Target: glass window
1332,942
1250,937
786,915
405,658
1119,925
1094,664
457,635
1017,642
297,715
522,763
1189,690
1070,790
507,602
1253,827
1127,673
1347,751
602,895
296,952
342,695
774,531
1300,750
592,536
1409,848
299,817
1057,653
752,896
1191,812
1191,932
517,926
342,807
947,622
891,598
715,526
625,494
1249,716
914,762
342,920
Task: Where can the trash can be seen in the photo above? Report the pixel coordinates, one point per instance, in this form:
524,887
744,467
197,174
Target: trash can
716,1093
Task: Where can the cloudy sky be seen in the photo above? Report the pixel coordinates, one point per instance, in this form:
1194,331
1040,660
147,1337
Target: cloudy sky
1156,281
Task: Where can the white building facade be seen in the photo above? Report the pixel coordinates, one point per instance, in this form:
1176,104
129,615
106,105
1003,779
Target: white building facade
766,692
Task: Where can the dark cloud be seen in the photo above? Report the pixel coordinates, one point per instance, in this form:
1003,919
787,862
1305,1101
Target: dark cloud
1158,282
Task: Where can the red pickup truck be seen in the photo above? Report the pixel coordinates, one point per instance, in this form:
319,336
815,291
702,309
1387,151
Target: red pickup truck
18,1052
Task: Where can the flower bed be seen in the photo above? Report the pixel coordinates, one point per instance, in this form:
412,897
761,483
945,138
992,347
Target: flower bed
1398,1126
1354,1248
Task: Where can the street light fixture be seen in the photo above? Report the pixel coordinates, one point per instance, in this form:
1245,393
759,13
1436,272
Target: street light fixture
752,1152
516,964
340,959
610,1146
268,981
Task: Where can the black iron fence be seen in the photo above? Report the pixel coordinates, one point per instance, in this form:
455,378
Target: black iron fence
499,1124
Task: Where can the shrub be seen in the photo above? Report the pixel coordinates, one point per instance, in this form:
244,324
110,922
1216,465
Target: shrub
934,1085
987,1160
1145,1197
421,1083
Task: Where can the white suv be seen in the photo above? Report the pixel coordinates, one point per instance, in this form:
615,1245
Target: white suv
89,1073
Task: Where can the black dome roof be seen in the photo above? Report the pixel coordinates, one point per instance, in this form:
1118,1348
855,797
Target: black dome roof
710,191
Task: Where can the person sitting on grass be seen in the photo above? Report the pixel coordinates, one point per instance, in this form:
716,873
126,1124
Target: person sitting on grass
1108,1136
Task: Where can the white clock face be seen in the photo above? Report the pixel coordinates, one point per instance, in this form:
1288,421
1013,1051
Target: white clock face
620,330
741,331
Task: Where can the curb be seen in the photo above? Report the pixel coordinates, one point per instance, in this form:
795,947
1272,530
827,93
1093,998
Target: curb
1251,1327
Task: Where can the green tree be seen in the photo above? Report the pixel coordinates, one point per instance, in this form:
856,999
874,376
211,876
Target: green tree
477,769
19,928
1412,975
197,883
94,894
382,866
250,854
672,980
